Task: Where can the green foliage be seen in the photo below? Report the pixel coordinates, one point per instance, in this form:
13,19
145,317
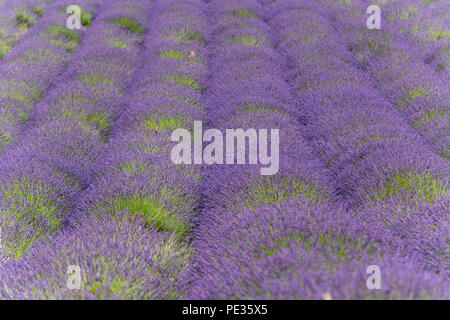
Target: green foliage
446,152
269,192
29,202
190,100
246,40
336,246
163,122
135,167
150,208
432,115
118,44
439,34
23,91
185,36
410,12
425,2
412,95
96,79
24,20
98,119
6,46
370,138
167,254
75,99
411,186
85,18
185,81
101,121
39,56
258,108
128,24
244,13
37,11
5,139
172,54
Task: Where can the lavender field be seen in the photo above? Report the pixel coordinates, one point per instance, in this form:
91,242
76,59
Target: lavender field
355,204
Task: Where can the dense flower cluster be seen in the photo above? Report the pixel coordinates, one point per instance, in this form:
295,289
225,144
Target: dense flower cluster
87,179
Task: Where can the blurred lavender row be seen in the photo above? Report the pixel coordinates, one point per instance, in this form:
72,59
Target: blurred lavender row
286,237
398,67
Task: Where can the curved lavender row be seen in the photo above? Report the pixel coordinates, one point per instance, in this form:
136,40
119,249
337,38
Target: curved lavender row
139,174
379,164
16,18
32,67
43,175
279,236
419,93
136,182
100,73
239,251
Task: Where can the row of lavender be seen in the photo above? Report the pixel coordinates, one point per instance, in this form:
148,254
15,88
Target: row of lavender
384,170
236,242
34,64
45,172
16,18
129,230
421,94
